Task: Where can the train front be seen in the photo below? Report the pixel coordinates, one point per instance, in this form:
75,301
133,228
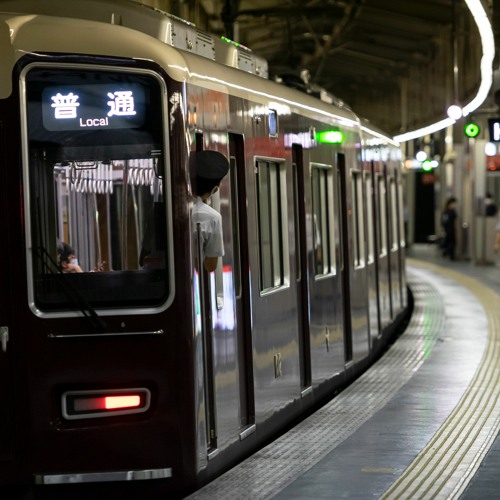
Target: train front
93,318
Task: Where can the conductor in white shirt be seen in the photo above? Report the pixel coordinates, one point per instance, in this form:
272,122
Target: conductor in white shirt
210,167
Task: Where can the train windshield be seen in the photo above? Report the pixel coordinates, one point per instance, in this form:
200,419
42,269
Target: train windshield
97,189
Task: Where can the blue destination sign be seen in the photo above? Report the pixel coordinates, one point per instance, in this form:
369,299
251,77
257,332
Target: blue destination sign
93,107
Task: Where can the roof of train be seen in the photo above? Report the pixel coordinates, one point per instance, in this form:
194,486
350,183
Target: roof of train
27,32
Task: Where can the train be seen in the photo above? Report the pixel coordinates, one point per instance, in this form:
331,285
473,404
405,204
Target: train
144,368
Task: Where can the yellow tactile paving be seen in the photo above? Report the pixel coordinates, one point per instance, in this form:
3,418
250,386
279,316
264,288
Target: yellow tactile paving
446,465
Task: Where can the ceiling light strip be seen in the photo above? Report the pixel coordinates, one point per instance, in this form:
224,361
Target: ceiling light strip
488,44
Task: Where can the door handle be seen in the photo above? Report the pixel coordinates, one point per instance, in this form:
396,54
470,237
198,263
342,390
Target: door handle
4,337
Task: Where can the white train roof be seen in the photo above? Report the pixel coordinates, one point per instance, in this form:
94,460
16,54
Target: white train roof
22,33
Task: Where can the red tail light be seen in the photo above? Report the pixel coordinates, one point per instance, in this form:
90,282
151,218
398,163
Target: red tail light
115,402
104,403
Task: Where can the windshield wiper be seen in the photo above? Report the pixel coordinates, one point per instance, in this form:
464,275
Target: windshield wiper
71,291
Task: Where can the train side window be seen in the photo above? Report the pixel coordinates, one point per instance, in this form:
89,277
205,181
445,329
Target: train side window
296,218
358,219
322,223
402,229
97,182
382,216
394,215
272,224
369,219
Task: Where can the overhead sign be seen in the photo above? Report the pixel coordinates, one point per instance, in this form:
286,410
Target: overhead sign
494,126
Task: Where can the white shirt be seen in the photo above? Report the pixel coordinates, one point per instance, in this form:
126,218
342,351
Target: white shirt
211,228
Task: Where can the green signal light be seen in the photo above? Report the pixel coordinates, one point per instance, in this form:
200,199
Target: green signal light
330,137
427,166
471,130
228,40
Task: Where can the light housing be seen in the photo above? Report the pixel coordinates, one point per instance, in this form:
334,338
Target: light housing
105,403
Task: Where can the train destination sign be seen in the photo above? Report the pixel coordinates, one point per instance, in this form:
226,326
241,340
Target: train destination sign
93,106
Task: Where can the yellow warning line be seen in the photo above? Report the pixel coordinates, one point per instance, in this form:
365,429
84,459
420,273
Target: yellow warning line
448,462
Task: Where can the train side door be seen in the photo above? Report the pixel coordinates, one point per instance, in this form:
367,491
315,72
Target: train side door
6,378
274,300
241,280
371,262
303,302
359,281
382,250
327,328
394,247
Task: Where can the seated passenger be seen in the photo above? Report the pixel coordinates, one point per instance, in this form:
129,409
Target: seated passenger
67,259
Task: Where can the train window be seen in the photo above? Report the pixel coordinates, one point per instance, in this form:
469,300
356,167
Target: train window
272,223
382,216
97,229
323,219
394,215
358,220
402,222
369,219
273,123
296,222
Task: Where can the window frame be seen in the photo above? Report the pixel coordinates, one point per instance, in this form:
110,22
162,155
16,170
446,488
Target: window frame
327,223
382,214
69,310
279,258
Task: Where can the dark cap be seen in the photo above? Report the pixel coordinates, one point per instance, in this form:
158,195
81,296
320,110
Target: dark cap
211,164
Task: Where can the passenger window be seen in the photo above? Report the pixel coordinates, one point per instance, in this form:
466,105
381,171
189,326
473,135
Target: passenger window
394,215
369,219
402,229
96,189
296,221
272,223
382,216
322,222
358,220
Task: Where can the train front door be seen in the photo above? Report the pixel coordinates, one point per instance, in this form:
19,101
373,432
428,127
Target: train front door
6,378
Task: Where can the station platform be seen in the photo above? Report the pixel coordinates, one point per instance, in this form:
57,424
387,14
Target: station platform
423,422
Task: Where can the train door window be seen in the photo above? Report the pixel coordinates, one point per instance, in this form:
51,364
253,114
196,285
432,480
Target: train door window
272,223
97,188
323,219
382,215
394,214
402,229
296,219
235,217
358,219
339,218
369,219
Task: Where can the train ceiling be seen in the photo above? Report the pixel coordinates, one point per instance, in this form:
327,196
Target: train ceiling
362,51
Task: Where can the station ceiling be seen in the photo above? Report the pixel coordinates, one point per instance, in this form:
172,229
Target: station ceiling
372,54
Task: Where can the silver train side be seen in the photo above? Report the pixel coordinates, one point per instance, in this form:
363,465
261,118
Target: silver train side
142,368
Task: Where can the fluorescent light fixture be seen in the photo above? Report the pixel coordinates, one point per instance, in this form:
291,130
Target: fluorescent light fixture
454,112
421,156
488,45
490,149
